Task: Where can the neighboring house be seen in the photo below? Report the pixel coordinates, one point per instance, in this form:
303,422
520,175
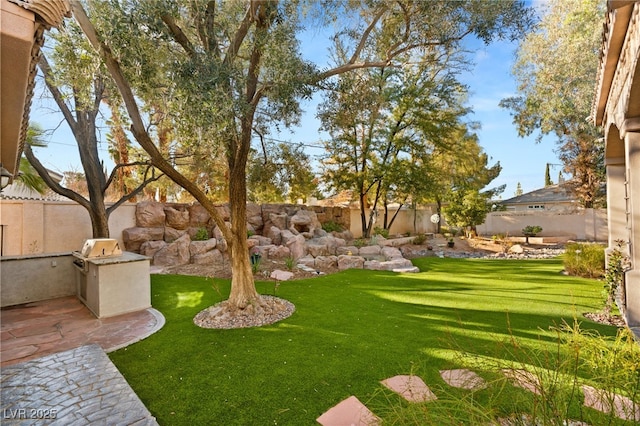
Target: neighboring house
19,191
617,109
554,198
22,26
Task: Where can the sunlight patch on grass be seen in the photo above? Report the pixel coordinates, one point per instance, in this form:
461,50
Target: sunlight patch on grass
189,299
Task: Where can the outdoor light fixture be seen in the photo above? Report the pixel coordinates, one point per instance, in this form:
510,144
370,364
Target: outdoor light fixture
5,177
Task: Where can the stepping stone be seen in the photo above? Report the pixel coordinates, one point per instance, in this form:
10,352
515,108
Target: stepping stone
411,388
463,378
281,275
601,400
407,269
523,379
350,412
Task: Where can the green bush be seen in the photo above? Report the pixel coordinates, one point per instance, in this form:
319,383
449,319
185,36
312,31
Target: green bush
584,260
332,226
201,235
419,239
381,231
359,242
531,230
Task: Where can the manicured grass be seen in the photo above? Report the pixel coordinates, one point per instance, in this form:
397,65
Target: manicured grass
350,331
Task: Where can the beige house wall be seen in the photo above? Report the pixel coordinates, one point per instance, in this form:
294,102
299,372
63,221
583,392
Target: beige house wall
587,224
35,227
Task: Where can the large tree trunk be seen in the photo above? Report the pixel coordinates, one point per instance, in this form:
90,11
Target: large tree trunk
243,290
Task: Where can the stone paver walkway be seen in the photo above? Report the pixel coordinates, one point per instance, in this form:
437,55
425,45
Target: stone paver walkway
75,387
353,412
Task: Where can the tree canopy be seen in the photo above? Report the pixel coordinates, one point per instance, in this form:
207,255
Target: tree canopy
222,70
556,70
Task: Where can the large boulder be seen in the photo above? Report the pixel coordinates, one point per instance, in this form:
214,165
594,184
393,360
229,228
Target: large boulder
391,253
326,262
213,257
348,250
296,246
369,251
176,218
279,220
150,214
350,262
174,254
307,261
304,222
150,248
316,250
254,217
274,234
332,243
170,234
199,247
134,237
199,217
279,252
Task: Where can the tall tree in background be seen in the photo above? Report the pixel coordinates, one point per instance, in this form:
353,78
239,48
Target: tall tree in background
547,176
235,66
76,80
556,69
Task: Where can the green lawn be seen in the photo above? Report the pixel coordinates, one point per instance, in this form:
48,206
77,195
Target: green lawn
350,331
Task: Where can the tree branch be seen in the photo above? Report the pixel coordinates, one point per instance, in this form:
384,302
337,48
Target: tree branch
122,165
44,66
137,125
136,191
178,35
55,186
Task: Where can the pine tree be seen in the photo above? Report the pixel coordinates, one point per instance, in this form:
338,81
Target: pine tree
518,190
547,177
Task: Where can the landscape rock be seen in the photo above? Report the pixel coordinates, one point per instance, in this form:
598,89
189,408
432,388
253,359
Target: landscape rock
348,250
149,248
281,275
391,252
326,262
369,251
198,216
199,247
174,254
350,262
170,234
212,257
516,249
316,250
177,219
308,261
297,246
150,214
279,252
134,237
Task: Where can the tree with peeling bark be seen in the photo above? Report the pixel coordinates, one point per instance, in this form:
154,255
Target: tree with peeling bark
76,81
235,67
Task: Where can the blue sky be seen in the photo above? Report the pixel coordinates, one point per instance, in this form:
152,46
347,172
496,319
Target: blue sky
523,160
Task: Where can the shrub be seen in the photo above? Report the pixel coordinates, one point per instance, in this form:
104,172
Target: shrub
332,226
359,242
381,231
584,260
531,230
419,239
614,274
290,262
201,235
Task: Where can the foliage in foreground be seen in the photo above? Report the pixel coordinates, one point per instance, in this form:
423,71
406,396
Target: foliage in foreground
350,331
582,358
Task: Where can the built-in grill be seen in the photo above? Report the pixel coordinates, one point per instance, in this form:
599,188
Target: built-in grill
109,281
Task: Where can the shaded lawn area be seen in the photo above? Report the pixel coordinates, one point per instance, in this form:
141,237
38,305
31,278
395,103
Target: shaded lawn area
350,331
